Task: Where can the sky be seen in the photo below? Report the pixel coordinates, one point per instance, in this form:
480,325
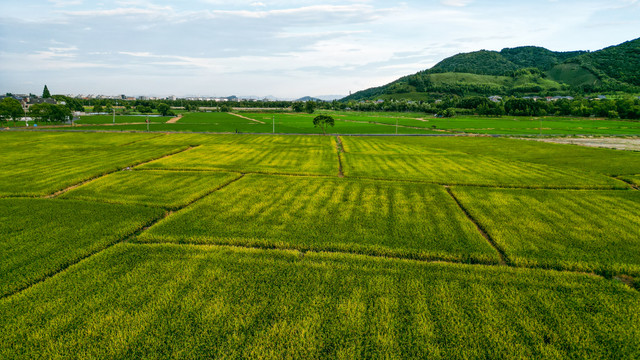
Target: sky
286,49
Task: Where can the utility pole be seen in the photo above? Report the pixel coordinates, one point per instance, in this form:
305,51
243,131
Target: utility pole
114,116
273,121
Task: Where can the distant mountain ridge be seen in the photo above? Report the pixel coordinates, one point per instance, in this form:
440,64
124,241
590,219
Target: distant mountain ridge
527,70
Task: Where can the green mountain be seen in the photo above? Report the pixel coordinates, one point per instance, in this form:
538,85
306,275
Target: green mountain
526,70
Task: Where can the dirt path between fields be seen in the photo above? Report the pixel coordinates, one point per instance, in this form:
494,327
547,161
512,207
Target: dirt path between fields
174,120
248,118
630,144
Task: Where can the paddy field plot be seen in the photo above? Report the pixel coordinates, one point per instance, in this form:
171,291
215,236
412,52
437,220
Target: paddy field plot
363,160
170,189
382,218
569,157
44,167
173,301
577,230
39,237
317,159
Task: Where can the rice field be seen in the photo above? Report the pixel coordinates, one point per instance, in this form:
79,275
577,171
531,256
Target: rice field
168,189
352,122
41,236
161,245
578,230
316,159
173,301
370,159
49,163
379,218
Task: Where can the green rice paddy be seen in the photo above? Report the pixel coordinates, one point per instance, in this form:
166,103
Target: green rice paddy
159,245
350,122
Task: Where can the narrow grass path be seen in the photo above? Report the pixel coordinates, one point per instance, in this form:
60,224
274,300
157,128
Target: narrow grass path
503,257
62,191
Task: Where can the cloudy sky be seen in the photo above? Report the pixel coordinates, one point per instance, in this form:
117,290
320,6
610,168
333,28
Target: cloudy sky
283,48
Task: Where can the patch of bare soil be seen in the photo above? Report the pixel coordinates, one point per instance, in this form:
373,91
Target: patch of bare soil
248,118
174,120
630,144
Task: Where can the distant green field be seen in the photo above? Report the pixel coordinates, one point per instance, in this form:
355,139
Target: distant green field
353,122
120,119
194,245
578,230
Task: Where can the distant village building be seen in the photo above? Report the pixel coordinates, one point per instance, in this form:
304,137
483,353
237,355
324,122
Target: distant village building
28,102
495,98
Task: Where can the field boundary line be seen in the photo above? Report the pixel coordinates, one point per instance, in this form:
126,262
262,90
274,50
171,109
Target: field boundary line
137,141
503,257
84,182
627,280
217,188
340,149
632,185
493,186
190,147
63,268
247,118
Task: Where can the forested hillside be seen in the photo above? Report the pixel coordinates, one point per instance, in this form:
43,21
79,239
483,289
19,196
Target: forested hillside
521,71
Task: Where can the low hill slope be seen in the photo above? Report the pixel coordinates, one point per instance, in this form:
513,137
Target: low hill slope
520,71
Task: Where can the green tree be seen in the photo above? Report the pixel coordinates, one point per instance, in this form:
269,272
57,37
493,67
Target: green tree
98,108
10,108
45,93
143,109
323,121
297,106
163,109
310,107
48,112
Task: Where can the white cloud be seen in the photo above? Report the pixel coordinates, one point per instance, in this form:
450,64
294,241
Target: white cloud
282,47
456,3
64,3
